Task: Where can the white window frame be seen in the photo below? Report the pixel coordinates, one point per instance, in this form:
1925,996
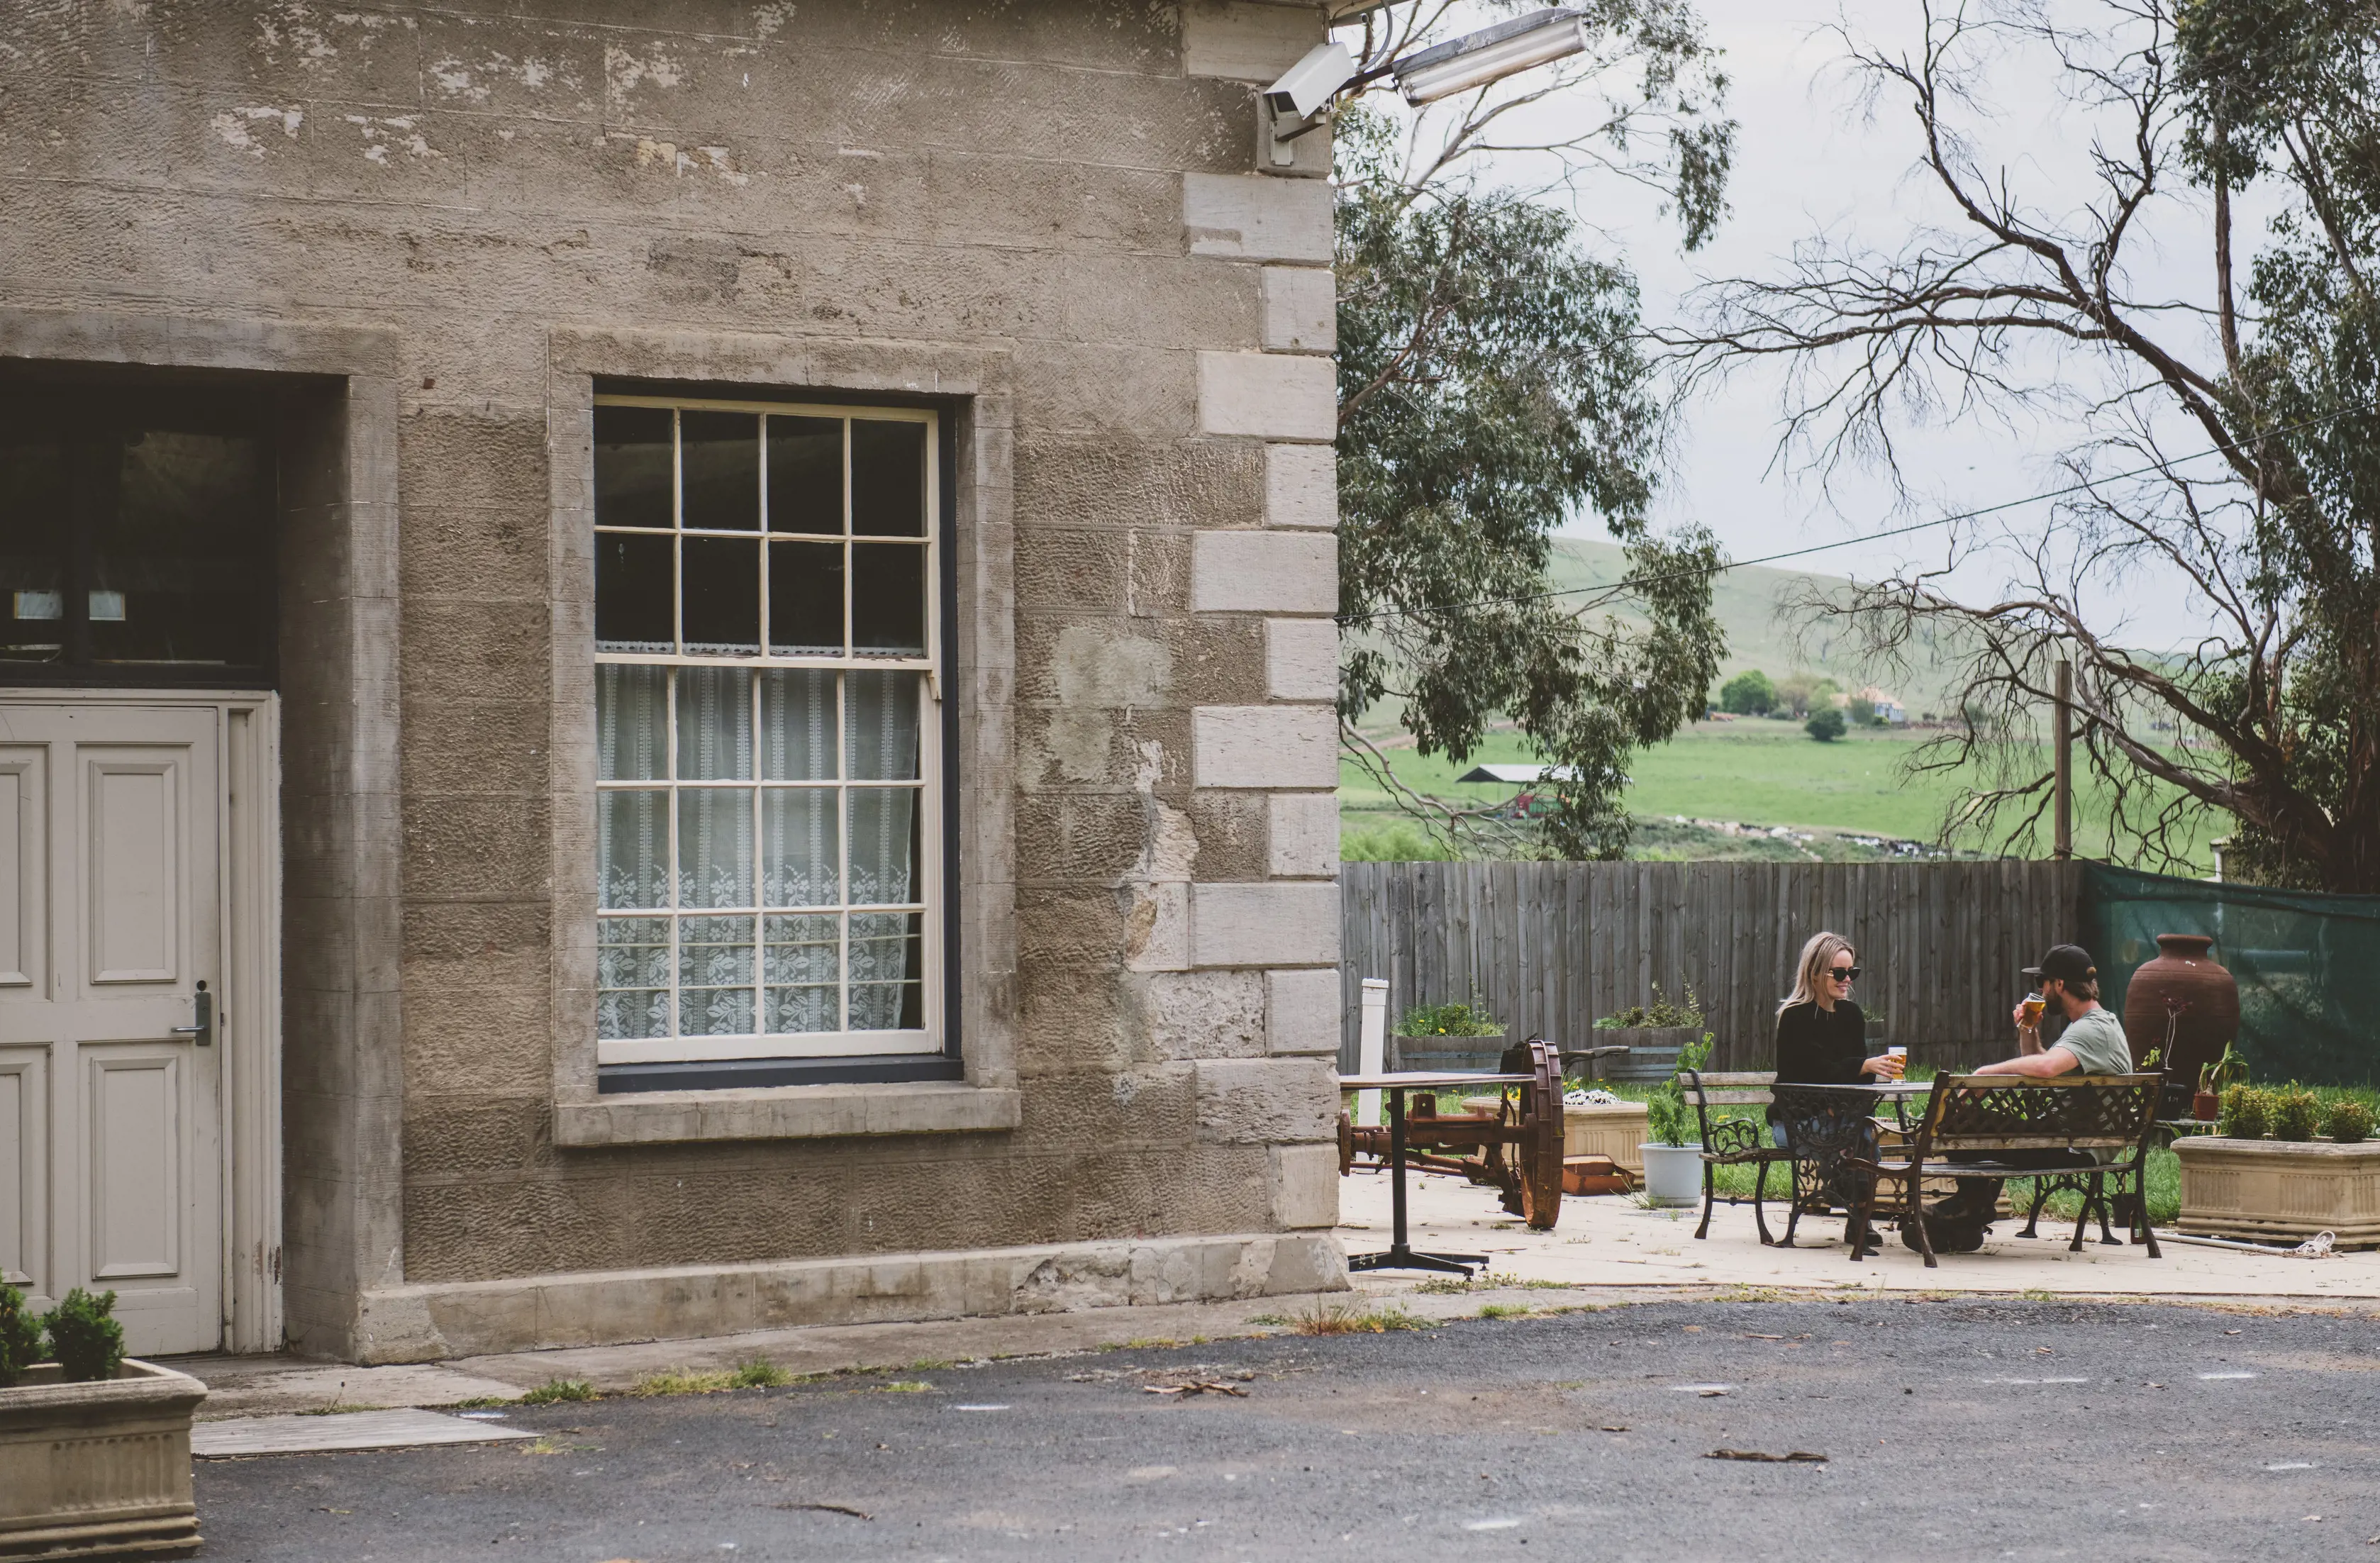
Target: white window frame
932,904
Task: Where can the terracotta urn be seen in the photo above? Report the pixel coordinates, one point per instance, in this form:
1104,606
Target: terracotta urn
2184,988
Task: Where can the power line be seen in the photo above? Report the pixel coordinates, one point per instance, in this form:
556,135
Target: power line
1629,582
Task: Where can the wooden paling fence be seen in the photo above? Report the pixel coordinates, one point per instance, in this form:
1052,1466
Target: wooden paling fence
1551,947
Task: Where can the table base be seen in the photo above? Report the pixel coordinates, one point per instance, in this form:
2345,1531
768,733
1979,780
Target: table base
1399,1257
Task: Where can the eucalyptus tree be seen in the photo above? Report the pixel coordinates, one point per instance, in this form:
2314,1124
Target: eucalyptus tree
1493,385
2224,430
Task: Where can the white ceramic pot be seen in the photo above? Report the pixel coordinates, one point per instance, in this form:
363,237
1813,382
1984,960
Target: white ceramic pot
1673,1174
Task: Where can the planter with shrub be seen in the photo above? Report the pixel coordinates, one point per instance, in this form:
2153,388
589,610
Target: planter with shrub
2282,1165
94,1445
1460,1037
1653,1034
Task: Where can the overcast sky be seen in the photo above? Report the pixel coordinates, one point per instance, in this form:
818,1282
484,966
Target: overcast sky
1809,162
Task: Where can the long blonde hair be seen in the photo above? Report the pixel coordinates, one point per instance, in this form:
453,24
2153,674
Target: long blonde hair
1817,956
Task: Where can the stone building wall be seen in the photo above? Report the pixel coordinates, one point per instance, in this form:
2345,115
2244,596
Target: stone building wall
1045,218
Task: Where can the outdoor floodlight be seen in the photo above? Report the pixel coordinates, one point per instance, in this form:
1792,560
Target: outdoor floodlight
1489,54
1312,81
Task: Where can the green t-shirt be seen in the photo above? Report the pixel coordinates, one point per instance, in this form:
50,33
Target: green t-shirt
2098,1041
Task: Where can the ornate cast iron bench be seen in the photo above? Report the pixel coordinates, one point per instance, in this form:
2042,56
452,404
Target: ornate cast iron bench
1733,1141
1823,1125
1974,1121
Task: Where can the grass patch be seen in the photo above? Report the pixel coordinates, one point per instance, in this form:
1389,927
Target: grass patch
1341,1319
1275,1320
481,1402
554,1389
905,1387
1504,1309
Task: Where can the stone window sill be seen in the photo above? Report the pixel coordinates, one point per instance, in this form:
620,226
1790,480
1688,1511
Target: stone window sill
786,1112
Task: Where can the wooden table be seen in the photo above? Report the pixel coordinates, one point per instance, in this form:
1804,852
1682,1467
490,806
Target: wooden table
1400,1255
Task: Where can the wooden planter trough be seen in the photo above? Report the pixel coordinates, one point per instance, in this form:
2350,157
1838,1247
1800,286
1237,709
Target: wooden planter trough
1652,1050
2263,1190
98,1469
1450,1055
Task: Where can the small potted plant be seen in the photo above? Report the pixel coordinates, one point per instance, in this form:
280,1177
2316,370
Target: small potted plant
1673,1148
94,1445
2214,1080
1450,1036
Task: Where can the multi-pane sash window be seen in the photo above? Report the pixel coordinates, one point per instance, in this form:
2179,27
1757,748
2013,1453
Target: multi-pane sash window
767,731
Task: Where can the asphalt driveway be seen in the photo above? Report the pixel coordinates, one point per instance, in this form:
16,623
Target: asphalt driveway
1956,1428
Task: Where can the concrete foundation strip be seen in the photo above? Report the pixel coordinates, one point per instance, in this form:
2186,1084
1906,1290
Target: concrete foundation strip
235,1437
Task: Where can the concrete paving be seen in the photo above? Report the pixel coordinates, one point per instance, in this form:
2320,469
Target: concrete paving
1956,1429
1611,1242
1605,1250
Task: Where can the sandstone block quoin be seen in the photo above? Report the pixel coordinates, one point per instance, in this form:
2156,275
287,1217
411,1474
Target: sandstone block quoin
1264,572
1302,835
1301,309
1302,658
1267,1101
1266,746
1251,217
1302,1011
1274,395
1273,925
1244,40
1301,486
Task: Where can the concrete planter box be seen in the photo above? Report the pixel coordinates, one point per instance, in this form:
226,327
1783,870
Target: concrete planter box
2263,1190
98,1469
1652,1050
1617,1131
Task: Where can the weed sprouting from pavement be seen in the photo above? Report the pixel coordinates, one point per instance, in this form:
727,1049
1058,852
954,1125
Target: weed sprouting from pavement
760,1373
1340,1319
905,1387
1504,1309
554,1389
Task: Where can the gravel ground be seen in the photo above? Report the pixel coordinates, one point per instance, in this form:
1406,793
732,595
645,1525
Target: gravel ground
1955,1428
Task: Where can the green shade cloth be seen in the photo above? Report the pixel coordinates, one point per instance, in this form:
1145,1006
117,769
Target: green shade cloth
2308,965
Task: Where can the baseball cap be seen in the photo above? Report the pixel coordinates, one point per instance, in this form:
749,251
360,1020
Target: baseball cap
2065,963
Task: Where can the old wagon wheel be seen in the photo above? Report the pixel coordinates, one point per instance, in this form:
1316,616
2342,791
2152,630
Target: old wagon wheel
1538,1158
1346,1143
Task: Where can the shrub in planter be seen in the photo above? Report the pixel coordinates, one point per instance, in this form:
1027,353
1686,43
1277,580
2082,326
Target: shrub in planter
2247,1113
20,1335
2349,1122
87,1340
2297,1113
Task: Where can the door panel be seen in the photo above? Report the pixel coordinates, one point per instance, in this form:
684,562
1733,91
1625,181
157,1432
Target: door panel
110,1136
134,1159
23,858
24,1167
134,839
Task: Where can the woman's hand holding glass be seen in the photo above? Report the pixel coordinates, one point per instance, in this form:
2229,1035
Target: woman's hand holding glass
1886,1066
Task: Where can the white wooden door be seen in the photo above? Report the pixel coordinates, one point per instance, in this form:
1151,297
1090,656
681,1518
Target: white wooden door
110,1126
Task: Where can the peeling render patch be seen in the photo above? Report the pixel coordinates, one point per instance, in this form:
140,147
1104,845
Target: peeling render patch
460,78
626,72
232,124
396,131
767,19
682,161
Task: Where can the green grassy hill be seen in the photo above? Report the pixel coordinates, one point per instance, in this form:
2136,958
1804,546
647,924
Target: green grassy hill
1750,604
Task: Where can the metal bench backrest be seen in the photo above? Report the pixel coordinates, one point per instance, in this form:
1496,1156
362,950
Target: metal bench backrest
1998,1112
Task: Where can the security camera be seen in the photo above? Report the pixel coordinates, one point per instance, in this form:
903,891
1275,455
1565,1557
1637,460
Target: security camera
1312,81
1489,54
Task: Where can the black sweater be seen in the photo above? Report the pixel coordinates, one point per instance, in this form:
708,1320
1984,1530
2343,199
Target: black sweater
1816,1047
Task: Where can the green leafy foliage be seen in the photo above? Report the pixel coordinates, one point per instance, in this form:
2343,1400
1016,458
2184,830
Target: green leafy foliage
1492,389
2224,1073
84,1335
2348,1122
1661,1011
2297,1114
1827,726
557,1389
1668,1120
1748,694
2247,1113
1450,1020
20,1335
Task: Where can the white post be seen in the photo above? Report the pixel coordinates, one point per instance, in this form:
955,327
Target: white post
1372,1045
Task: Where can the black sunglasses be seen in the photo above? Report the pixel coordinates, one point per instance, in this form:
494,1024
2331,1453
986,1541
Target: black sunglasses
1844,974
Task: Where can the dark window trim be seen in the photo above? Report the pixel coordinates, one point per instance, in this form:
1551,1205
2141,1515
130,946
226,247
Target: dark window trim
723,1075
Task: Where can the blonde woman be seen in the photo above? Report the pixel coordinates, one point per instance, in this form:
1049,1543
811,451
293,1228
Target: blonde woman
1821,1036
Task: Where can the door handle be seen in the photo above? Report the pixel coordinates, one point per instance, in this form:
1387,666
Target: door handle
204,1032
